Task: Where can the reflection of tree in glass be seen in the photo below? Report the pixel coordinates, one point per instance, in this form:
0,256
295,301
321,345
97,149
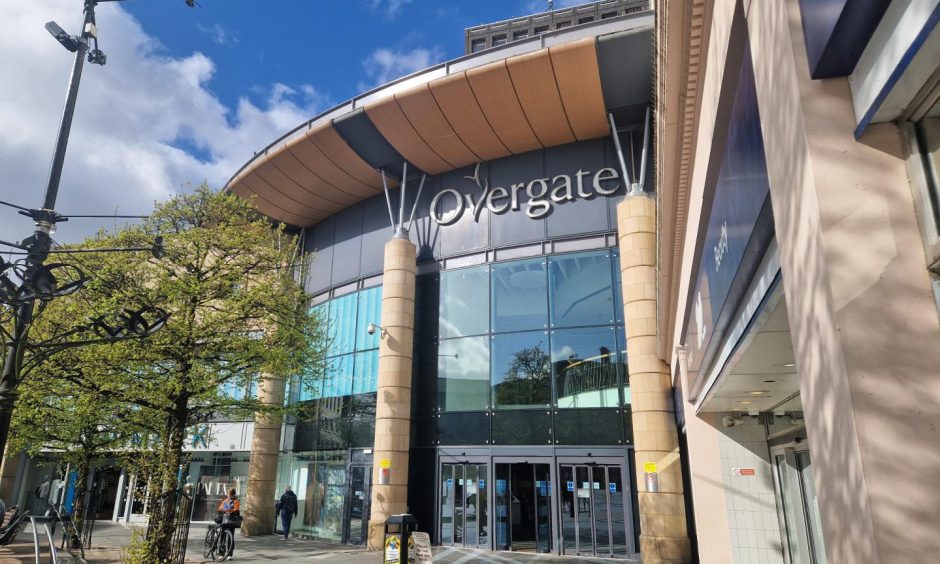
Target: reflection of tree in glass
526,381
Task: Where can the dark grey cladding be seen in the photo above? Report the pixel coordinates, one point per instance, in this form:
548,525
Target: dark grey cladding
626,66
361,134
350,245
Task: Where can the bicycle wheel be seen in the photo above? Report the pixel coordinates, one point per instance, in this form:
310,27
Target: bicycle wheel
209,545
225,546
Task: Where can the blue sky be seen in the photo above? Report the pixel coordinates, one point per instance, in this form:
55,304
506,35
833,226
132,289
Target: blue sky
188,95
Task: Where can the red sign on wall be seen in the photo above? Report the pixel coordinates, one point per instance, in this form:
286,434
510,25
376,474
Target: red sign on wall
748,472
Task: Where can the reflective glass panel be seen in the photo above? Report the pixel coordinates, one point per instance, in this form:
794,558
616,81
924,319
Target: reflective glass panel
520,290
465,307
339,376
366,377
623,367
447,504
588,426
618,522
584,362
618,285
521,370
370,311
342,334
465,428
464,374
581,289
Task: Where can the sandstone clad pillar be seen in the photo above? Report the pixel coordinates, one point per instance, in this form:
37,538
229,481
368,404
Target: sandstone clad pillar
8,472
393,404
663,534
258,507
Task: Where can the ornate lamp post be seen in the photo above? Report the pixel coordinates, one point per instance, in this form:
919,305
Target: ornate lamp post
28,280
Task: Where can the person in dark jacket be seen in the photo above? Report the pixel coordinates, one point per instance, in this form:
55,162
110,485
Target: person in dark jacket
287,509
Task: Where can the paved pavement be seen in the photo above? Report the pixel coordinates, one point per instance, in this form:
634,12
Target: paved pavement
109,539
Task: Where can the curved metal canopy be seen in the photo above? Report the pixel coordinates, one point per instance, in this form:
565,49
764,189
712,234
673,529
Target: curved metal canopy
550,90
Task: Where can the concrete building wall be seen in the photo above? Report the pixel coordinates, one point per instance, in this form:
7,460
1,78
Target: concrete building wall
862,316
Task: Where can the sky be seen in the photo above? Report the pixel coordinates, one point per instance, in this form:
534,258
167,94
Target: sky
189,94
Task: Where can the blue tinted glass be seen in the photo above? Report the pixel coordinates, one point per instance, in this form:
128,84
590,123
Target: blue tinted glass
339,376
618,285
465,307
370,311
520,295
584,363
463,371
310,388
581,289
366,378
343,324
521,370
253,388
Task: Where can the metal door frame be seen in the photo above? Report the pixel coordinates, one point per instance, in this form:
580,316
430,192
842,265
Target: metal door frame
791,492
476,459
553,505
626,478
366,501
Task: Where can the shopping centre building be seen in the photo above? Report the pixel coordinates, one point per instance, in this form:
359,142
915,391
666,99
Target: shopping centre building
727,358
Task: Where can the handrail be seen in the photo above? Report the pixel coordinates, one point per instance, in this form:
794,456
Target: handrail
45,520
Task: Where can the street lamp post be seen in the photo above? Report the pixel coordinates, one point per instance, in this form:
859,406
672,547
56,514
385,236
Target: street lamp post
38,280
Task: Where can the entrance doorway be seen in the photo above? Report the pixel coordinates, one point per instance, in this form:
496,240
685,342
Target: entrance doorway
796,502
464,517
593,510
360,497
523,507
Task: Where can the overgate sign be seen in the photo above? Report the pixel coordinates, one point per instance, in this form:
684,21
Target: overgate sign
450,204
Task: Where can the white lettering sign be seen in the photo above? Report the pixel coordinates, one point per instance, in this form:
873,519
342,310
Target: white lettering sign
449,205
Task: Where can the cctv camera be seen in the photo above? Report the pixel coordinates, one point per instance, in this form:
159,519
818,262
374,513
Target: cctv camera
731,421
371,329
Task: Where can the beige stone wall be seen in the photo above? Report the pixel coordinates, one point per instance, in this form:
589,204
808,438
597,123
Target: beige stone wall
393,403
862,316
8,470
258,508
663,533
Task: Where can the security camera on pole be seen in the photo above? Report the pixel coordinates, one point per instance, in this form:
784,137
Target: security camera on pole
25,281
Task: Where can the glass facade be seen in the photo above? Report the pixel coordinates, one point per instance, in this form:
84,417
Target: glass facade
531,351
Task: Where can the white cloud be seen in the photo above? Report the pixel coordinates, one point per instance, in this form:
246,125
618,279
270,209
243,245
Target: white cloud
383,65
219,33
390,8
146,124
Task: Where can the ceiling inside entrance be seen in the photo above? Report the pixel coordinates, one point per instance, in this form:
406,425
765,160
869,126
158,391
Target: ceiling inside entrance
762,372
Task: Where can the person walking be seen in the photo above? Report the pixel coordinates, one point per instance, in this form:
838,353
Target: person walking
287,509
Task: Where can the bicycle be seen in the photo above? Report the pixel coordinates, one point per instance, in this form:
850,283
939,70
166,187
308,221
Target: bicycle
219,544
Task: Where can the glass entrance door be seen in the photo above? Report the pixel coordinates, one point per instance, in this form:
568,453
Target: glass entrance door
359,496
464,517
524,507
593,518
798,509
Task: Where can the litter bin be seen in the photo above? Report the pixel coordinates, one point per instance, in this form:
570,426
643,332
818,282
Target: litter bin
398,542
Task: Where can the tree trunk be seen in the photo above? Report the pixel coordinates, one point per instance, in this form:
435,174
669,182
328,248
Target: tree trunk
163,513
82,470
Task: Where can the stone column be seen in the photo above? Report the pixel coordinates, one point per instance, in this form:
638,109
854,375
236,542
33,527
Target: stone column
393,405
8,473
663,534
262,468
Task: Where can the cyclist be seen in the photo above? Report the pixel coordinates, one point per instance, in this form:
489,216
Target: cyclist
229,508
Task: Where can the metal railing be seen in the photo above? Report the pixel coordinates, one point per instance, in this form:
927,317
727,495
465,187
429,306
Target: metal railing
45,520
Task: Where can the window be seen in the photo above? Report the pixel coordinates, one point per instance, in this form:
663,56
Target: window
540,29
463,367
588,19
521,370
370,311
584,363
464,306
561,25
521,34
499,40
608,15
366,375
581,289
342,327
519,296
477,45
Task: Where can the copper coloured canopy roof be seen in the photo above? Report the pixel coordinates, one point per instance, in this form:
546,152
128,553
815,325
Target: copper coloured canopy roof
550,90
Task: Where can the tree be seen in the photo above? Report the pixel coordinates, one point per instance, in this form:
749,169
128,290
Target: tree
236,315
526,380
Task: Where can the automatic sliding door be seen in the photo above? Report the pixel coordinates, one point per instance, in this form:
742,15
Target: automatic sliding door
543,508
593,511
582,484
569,510
618,523
447,504
464,505
601,511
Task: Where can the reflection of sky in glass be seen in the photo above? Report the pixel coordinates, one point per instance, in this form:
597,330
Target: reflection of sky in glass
519,296
463,373
581,289
464,306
